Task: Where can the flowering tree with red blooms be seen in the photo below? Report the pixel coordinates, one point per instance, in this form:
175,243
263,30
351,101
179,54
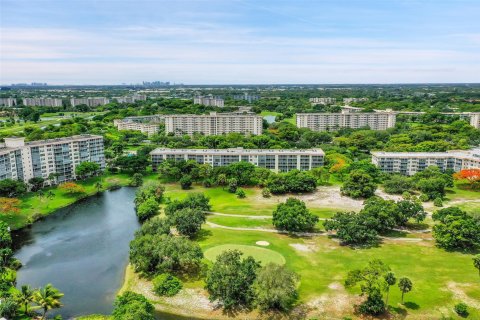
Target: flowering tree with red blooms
471,175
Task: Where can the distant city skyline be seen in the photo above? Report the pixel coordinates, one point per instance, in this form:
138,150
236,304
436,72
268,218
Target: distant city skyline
239,42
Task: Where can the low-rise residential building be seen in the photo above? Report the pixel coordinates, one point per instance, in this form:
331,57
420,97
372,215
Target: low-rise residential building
323,101
131,99
345,119
277,160
409,163
350,100
148,128
247,97
8,102
42,102
209,101
20,160
91,102
213,123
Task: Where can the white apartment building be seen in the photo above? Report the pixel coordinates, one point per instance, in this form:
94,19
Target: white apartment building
323,101
345,119
91,102
277,160
20,160
475,119
409,163
131,99
42,102
209,101
148,128
213,124
350,100
8,102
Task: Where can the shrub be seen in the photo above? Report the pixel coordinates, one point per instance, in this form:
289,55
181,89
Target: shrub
461,309
232,185
166,285
438,202
186,182
423,198
137,180
266,193
240,193
147,209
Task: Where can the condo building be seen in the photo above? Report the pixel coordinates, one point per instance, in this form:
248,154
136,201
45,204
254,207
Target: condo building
8,102
148,128
213,124
409,163
247,97
131,99
20,160
91,102
345,119
277,160
323,101
209,101
42,102
350,100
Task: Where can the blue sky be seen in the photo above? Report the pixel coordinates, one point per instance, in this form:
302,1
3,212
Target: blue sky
239,41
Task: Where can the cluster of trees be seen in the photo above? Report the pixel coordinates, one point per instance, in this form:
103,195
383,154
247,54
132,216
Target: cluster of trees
25,302
131,305
456,229
293,216
147,200
471,175
188,215
238,174
237,283
431,182
374,280
378,216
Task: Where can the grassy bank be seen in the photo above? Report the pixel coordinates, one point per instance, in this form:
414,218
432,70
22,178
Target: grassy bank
34,207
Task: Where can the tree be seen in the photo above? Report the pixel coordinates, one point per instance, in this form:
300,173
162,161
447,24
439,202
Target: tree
186,182
432,187
137,180
352,228
132,306
193,200
8,308
242,171
232,185
71,188
160,253
150,190
266,193
9,205
390,280
86,169
276,288
12,188
293,216
98,186
359,184
372,282
36,183
476,262
222,180
154,226
24,297
147,209
405,286
456,230
5,236
166,285
230,280
398,184
471,175
47,298
188,221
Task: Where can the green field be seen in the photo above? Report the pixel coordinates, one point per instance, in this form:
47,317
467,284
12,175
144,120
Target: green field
263,255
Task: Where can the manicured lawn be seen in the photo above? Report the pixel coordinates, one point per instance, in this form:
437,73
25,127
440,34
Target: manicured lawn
241,222
263,255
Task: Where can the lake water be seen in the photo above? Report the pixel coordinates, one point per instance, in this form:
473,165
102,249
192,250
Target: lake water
82,250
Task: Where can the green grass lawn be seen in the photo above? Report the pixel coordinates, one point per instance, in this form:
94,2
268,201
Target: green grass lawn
240,222
263,255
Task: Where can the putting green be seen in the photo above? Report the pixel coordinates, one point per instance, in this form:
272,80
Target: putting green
263,255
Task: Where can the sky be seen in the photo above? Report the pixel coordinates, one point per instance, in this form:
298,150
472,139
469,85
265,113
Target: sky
239,41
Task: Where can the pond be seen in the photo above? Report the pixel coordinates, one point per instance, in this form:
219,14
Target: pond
82,250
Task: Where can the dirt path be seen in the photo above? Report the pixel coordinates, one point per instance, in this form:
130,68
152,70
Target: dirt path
246,216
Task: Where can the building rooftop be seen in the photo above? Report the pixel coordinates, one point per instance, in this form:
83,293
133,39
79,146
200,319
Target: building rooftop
473,153
18,142
238,151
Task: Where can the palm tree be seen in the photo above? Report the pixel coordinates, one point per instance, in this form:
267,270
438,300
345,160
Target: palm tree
47,298
25,297
98,186
390,280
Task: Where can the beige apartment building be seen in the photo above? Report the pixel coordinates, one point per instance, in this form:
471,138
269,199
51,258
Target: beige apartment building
345,119
350,100
277,160
148,128
8,102
20,160
213,124
42,102
91,102
209,101
409,163
131,99
323,101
